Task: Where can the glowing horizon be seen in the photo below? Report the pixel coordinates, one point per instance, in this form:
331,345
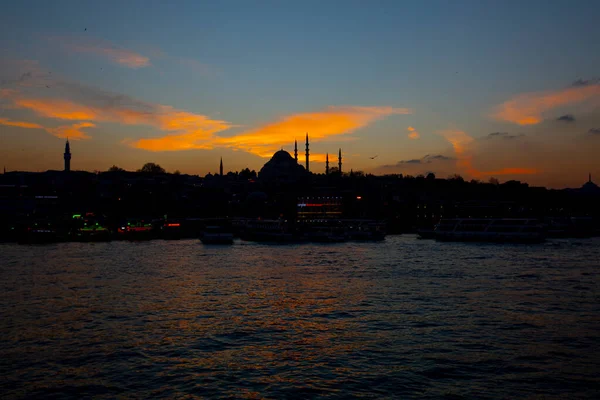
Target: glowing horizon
241,83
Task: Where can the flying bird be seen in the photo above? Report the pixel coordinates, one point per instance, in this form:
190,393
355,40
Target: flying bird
85,29
372,158
48,86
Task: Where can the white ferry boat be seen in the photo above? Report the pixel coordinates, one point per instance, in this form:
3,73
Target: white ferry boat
520,230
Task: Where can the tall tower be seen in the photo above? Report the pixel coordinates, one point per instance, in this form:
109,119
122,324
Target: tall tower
296,150
221,167
326,163
67,157
589,177
307,165
340,161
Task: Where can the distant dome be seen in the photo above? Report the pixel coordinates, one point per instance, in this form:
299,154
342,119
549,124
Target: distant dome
590,187
282,168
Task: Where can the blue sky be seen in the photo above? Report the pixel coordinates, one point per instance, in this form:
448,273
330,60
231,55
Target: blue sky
448,66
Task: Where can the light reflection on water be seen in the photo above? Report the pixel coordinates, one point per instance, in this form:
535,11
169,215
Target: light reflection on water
404,317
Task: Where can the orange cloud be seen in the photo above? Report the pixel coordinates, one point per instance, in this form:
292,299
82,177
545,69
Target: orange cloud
508,171
462,143
118,55
7,92
413,133
56,108
528,108
20,124
318,157
195,131
333,121
200,138
189,128
71,131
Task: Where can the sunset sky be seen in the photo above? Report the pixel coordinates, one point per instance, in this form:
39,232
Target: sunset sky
507,89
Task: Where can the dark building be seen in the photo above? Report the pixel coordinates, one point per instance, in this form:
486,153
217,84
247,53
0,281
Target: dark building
307,166
281,168
590,187
296,150
67,156
319,207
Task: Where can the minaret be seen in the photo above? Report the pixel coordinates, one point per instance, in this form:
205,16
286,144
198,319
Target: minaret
296,150
307,165
221,167
67,157
340,161
327,164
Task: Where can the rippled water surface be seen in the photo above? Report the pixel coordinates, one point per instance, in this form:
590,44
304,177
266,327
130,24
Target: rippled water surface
402,318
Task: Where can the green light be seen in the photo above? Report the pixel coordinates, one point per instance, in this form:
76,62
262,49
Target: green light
76,215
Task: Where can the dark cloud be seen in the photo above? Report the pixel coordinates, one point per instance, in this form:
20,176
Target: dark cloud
566,118
427,159
594,131
414,161
504,135
25,76
585,82
93,96
436,157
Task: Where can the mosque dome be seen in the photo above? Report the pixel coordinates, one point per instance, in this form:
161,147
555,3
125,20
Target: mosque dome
282,156
590,187
281,168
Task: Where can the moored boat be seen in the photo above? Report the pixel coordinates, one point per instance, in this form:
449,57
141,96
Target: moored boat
261,230
426,233
515,230
216,235
39,232
89,228
369,230
137,230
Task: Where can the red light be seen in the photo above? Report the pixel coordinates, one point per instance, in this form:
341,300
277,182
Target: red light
358,197
173,224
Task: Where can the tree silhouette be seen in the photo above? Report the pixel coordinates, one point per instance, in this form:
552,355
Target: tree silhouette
456,177
494,181
247,174
152,168
114,168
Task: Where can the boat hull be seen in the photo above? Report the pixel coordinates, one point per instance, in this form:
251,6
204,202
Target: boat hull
492,238
217,239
